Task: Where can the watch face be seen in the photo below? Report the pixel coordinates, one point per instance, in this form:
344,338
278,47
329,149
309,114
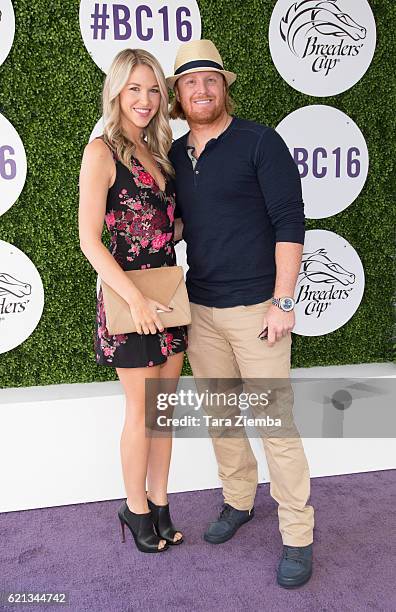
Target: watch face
287,304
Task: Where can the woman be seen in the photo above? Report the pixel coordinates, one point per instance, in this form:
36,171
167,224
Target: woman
126,180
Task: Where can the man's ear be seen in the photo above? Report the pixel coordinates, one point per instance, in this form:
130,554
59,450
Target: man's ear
177,93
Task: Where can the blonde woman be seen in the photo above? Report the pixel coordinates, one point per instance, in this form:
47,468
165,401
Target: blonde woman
126,180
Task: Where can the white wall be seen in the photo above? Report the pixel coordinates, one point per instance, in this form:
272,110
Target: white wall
60,445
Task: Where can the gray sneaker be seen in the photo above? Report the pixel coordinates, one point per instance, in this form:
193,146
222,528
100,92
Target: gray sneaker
228,523
295,567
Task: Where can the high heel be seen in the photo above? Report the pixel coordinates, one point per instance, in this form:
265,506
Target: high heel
163,523
142,529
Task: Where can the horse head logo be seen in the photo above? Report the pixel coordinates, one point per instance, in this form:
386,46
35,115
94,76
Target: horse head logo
317,267
9,285
321,16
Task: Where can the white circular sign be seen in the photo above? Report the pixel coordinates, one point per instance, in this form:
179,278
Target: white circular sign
179,128
322,47
7,29
13,165
157,27
21,297
181,256
331,155
330,284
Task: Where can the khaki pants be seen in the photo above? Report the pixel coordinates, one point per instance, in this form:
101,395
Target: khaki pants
223,343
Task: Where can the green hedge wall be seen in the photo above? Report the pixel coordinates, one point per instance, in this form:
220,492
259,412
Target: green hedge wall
50,90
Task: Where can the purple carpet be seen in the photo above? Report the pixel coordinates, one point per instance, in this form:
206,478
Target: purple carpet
78,549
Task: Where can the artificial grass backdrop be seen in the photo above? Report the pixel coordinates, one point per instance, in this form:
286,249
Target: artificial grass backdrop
50,91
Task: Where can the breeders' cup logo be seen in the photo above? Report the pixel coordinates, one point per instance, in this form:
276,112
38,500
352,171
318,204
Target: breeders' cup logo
317,268
330,284
7,29
21,297
306,22
323,37
10,286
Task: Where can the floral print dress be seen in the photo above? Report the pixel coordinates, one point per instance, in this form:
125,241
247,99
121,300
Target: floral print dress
139,217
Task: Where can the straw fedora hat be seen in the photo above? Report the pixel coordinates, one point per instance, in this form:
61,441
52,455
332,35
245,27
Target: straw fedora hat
198,56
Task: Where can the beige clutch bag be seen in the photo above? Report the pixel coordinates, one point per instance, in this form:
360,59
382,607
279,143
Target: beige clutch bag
165,285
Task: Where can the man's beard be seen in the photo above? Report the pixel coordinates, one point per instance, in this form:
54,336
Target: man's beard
204,118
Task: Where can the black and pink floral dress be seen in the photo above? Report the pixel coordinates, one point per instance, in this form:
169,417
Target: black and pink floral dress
139,217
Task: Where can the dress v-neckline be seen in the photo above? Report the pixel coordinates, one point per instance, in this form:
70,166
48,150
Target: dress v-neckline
149,173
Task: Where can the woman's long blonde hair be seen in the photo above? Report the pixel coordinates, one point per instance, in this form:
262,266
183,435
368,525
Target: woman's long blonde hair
158,132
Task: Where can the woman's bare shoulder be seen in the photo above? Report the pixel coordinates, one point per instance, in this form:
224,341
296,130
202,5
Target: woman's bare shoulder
97,150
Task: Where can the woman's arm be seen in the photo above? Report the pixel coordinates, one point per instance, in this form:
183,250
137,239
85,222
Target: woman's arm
96,176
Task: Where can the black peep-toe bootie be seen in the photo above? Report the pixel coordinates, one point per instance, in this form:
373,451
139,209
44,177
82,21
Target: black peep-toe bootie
163,523
142,528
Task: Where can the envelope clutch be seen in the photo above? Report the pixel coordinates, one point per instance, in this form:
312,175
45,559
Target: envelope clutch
165,285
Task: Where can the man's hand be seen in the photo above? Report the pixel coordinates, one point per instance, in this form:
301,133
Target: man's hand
278,323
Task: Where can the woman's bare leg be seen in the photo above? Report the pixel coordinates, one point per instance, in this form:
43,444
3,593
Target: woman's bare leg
161,446
134,444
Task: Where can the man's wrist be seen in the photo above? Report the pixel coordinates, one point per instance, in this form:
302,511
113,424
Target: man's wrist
285,303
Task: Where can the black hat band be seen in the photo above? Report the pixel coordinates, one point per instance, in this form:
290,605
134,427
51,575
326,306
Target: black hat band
198,64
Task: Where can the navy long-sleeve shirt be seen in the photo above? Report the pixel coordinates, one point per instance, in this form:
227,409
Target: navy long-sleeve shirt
242,197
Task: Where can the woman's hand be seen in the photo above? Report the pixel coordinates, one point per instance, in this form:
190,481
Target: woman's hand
145,316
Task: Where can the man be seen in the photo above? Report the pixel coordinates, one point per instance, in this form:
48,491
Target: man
239,196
